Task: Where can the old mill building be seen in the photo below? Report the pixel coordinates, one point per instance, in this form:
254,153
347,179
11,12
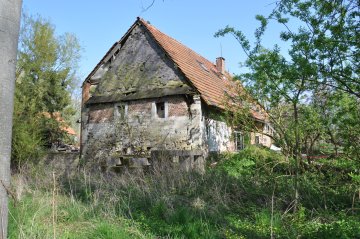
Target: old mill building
152,94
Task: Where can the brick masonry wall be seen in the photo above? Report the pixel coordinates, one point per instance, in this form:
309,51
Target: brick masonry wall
85,92
177,107
61,162
139,106
101,113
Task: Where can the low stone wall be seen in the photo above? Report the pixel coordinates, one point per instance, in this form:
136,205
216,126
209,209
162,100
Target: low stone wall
187,160
62,162
69,162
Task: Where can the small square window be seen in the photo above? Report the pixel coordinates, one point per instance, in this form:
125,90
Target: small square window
160,109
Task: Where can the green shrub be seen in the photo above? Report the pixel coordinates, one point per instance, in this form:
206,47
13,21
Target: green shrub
252,159
26,142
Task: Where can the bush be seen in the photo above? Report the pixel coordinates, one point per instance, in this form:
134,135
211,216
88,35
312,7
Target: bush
251,160
26,142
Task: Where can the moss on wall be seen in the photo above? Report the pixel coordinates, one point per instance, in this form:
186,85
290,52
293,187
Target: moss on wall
140,66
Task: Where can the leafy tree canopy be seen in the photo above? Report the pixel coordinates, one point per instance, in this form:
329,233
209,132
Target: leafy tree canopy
45,78
322,62
324,44
312,93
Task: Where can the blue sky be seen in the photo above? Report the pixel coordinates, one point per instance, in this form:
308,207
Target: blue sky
98,24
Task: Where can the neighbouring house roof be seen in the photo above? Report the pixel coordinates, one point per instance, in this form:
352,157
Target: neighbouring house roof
201,73
63,125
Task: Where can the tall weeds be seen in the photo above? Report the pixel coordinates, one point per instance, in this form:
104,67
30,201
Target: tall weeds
247,195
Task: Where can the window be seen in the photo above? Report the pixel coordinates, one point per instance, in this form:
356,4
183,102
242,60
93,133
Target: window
121,111
257,139
160,109
203,66
239,141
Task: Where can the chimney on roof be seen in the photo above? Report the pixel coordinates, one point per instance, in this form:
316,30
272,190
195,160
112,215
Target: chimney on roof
220,64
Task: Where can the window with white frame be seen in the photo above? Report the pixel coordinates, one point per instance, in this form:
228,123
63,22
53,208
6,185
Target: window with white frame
239,141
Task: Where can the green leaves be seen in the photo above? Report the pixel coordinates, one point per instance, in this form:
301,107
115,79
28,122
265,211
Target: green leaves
239,36
312,92
45,77
329,30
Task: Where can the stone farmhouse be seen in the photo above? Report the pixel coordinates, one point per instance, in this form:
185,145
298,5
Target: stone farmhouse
150,94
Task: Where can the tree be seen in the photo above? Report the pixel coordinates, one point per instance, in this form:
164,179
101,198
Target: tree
281,86
323,57
341,117
9,33
331,30
45,77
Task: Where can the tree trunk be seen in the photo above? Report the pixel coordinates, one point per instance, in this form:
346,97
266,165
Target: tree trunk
297,156
333,140
9,33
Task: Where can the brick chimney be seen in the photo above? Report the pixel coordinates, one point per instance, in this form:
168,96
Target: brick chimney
220,64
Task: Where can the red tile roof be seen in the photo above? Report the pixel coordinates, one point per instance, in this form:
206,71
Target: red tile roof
63,125
202,73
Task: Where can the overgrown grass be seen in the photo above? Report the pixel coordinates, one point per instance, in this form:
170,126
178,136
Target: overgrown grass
43,210
32,218
247,195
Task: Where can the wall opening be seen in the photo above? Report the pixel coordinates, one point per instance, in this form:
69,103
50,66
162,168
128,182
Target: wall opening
160,109
257,139
239,141
121,112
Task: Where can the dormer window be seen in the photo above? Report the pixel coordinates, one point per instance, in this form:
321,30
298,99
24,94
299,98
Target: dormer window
203,66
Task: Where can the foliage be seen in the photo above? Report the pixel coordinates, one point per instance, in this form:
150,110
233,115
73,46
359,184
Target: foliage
45,76
26,141
317,78
30,218
251,201
328,36
342,117
251,158
311,92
